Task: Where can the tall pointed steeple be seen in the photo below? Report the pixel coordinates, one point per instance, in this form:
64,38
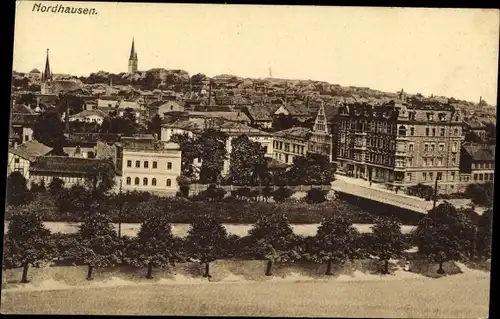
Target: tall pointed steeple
132,61
47,74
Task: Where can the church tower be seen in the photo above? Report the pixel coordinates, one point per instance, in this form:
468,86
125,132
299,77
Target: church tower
132,61
46,85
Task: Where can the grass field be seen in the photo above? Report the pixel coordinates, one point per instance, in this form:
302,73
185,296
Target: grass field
460,296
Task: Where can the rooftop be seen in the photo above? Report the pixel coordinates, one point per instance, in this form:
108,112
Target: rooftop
259,113
481,152
86,113
66,164
295,132
31,150
145,145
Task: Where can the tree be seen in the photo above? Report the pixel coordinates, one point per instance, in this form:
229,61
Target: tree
387,240
27,243
49,130
282,193
17,191
154,246
101,177
213,154
154,126
316,195
334,243
313,169
480,194
444,235
484,234
55,186
272,238
207,241
191,150
248,163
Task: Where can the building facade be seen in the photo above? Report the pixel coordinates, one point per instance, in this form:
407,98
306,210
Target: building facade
477,163
401,143
151,166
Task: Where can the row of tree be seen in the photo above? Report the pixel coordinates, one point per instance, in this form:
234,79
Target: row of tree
444,235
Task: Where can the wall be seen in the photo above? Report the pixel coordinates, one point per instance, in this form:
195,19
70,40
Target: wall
22,165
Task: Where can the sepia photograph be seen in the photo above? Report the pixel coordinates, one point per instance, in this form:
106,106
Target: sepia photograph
250,160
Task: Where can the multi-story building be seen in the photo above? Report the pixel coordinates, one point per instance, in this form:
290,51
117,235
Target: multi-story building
477,163
150,166
298,141
402,143
22,156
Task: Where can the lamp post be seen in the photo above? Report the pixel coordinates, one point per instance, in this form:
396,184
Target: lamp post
120,198
438,177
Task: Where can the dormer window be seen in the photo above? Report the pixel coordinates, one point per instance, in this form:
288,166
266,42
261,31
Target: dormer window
411,116
442,117
430,116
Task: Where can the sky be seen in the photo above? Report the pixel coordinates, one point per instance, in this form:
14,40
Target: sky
448,52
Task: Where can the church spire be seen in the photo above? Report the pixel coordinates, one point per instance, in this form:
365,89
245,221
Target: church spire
47,75
133,54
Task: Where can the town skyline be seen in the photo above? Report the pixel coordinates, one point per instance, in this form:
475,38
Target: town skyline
462,53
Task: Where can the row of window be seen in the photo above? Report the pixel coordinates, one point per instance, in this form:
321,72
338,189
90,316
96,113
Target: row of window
484,165
298,149
484,177
146,164
145,181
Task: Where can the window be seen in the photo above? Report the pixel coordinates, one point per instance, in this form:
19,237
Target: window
137,164
153,181
433,131
455,132
155,165
480,176
136,181
412,131
433,147
439,162
410,161
408,176
129,180
431,161
453,161
169,182
442,131
16,160
426,131
452,176
454,147
441,147
425,162
475,177
129,163
145,181
439,176
26,138
426,147
146,164
169,165
402,130
410,147
430,116
424,176
442,117
411,116
431,176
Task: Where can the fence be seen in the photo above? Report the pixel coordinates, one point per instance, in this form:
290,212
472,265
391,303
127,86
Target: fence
198,188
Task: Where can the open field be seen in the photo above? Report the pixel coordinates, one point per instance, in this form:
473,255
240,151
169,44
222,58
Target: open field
459,296
181,230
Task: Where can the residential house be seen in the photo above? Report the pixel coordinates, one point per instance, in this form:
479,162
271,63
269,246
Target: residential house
477,163
170,106
475,126
89,116
22,122
259,116
20,157
290,143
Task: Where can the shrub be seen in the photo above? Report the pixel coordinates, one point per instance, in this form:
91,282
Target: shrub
316,195
282,193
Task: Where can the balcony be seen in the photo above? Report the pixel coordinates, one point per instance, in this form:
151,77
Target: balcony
361,133
402,138
361,147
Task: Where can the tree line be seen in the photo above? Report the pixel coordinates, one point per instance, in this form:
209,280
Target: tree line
445,234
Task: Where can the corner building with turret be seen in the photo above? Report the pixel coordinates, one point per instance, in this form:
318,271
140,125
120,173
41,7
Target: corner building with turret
401,142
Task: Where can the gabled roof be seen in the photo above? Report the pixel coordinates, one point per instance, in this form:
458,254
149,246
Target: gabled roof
86,113
66,164
31,150
21,109
258,113
481,152
295,132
